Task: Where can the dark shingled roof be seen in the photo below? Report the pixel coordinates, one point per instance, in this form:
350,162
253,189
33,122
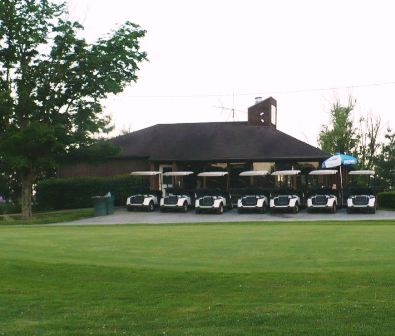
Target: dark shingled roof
214,141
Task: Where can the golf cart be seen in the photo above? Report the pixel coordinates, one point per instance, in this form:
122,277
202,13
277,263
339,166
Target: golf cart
285,197
144,198
323,193
177,198
360,195
253,199
215,199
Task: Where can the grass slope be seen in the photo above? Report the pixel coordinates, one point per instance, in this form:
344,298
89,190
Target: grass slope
47,217
245,279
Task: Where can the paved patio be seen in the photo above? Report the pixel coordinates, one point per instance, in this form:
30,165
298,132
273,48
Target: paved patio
121,216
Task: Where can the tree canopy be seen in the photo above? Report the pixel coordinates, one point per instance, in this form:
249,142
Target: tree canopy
52,85
340,135
362,140
385,161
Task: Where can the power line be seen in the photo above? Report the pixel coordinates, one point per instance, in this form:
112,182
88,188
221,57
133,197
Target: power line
295,91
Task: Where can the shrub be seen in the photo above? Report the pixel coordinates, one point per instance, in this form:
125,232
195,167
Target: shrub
74,193
9,208
386,199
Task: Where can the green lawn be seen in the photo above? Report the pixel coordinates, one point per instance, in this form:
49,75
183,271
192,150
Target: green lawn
211,279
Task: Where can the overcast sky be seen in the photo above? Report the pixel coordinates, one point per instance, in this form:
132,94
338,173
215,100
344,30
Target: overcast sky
207,54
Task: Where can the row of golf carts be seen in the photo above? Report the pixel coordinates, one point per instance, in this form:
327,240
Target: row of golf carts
282,192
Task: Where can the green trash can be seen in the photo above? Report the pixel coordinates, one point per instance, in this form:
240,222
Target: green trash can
110,200
100,205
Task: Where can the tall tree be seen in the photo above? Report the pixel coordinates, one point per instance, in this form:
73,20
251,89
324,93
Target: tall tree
52,83
385,162
340,135
369,131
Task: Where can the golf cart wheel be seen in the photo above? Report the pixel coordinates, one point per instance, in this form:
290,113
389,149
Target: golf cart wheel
349,211
220,210
151,206
263,209
239,210
296,208
162,209
198,211
334,209
185,207
373,210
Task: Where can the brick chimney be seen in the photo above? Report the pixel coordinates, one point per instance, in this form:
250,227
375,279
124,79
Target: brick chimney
263,113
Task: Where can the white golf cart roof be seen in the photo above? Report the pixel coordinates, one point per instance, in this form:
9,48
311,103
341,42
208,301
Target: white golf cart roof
145,173
286,172
178,173
254,173
323,172
361,172
212,174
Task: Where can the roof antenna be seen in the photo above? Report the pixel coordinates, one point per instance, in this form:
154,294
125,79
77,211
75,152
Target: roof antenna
233,112
306,138
233,106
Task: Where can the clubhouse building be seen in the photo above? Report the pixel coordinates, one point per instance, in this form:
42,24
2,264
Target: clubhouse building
255,144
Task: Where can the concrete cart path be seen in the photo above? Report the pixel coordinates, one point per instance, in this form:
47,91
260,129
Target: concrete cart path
121,216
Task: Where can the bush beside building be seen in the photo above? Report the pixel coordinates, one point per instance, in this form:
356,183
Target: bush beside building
74,193
386,200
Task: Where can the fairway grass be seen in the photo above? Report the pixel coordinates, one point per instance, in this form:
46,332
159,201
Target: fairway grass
213,279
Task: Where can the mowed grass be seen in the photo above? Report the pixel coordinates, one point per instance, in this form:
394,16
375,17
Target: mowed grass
211,279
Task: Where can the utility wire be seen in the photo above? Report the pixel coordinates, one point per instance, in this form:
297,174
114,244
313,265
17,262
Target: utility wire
260,93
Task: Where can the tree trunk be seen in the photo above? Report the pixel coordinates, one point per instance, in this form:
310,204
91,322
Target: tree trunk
26,199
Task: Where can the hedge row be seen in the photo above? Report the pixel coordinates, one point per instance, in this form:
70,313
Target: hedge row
74,193
9,208
386,200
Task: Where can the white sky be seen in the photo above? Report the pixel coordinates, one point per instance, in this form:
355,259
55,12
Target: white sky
212,49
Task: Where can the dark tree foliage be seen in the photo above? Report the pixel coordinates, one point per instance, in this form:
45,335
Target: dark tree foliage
385,162
52,83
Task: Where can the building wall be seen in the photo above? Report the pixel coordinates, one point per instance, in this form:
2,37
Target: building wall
125,166
110,168
269,166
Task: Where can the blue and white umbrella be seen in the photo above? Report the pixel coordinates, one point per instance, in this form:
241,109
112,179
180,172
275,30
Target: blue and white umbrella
338,160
